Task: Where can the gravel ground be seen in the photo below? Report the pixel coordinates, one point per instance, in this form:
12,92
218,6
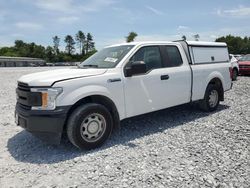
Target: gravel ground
177,147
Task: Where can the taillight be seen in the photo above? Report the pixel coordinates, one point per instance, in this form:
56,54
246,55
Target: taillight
231,72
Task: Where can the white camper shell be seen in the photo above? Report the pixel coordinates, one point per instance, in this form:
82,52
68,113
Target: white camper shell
206,52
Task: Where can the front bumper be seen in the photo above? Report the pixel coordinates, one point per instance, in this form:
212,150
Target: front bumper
244,71
46,125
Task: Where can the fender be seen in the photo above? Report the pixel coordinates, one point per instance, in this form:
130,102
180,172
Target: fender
74,96
211,76
200,86
215,74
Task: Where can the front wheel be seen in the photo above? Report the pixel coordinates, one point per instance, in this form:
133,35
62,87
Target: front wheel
211,100
89,126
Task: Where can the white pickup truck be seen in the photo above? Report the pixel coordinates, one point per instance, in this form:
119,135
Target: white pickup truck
119,82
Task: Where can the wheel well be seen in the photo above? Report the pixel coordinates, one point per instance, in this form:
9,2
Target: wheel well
217,82
236,70
105,101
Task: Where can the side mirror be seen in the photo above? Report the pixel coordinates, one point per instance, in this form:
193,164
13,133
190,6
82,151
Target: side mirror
136,67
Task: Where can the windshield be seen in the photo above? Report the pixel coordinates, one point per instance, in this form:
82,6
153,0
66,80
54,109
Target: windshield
107,57
245,58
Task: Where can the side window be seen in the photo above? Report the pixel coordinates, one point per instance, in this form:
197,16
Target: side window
173,56
150,55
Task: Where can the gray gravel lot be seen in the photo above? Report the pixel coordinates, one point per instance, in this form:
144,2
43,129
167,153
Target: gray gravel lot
177,147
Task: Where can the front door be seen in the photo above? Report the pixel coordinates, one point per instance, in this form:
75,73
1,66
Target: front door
162,86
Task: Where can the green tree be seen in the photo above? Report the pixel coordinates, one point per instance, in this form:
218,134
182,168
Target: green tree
19,44
8,51
131,36
89,43
56,43
28,49
35,50
22,48
70,44
49,54
80,39
236,44
52,53
184,37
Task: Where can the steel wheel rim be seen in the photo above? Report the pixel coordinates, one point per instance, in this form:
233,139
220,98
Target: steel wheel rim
213,98
93,127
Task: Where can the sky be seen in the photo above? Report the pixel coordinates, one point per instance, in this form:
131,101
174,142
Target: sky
109,21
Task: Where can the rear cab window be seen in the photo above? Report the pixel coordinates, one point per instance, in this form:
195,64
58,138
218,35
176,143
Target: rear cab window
172,56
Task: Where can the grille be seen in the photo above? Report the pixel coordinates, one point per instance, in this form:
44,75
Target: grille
244,66
23,86
22,92
26,98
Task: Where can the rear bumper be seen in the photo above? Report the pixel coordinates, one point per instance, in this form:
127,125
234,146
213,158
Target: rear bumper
46,125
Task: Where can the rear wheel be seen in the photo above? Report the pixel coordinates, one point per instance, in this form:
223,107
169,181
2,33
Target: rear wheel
89,126
211,99
235,74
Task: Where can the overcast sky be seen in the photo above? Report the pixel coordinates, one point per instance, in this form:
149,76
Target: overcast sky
110,20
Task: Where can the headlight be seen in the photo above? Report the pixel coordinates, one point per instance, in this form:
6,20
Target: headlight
49,96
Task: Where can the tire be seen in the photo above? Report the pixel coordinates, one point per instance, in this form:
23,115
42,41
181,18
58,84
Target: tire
211,99
89,126
235,74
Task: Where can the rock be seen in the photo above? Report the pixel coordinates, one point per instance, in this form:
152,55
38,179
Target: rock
177,147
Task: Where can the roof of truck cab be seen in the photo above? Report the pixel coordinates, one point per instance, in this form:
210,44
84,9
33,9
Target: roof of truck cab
141,43
191,43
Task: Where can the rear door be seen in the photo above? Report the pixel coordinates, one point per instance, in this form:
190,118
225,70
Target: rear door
178,87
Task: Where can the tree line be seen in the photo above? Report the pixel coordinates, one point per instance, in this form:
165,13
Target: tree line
52,53
77,48
81,46
236,44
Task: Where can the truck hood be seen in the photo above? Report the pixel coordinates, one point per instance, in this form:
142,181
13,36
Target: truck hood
48,78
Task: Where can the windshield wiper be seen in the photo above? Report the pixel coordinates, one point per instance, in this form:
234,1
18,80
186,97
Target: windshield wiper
94,66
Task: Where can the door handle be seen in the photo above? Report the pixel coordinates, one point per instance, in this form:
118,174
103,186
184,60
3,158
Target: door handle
164,77
114,80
